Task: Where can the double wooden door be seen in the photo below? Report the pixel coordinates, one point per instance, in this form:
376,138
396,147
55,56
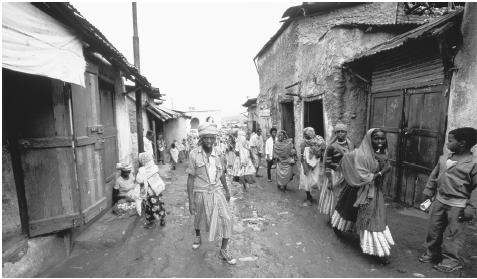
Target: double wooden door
414,120
66,148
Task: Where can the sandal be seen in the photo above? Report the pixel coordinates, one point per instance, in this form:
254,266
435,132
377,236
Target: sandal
446,267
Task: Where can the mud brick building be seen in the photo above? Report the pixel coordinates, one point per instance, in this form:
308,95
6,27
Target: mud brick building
302,81
422,85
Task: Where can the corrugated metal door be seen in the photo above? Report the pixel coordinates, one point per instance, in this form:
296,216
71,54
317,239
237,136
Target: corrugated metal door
89,145
408,102
37,115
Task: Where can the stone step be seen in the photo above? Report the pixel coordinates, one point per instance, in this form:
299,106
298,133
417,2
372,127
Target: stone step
108,231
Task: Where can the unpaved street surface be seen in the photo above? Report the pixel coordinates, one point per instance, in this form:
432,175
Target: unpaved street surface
286,240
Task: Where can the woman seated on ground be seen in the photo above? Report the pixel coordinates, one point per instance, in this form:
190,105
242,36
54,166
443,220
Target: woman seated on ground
361,203
151,190
128,190
284,153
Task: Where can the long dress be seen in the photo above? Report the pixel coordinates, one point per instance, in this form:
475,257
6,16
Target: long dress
331,189
283,151
307,182
375,236
361,203
243,166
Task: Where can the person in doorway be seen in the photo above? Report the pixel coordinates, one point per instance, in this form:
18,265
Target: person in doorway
339,145
151,190
206,198
148,142
127,187
453,187
161,147
362,201
256,148
311,150
174,152
269,152
284,153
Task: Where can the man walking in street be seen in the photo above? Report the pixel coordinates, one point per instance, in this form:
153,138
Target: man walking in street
269,152
206,197
256,148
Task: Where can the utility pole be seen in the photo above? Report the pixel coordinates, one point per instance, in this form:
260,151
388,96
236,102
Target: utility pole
140,141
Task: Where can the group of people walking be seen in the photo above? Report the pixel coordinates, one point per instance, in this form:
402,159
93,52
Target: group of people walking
350,181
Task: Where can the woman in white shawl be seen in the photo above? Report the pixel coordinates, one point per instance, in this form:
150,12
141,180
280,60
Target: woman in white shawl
243,166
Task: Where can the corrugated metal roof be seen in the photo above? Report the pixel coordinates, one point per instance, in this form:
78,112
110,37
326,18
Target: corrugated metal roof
163,113
250,102
425,30
70,16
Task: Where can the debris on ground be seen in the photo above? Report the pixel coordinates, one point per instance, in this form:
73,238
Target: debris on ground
418,275
248,259
283,213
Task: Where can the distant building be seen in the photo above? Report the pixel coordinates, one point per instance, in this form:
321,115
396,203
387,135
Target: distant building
252,117
201,116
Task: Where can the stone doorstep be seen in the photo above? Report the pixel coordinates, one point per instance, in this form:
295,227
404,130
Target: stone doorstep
108,231
42,253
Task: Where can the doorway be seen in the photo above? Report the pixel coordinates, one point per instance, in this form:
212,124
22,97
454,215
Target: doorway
288,119
313,116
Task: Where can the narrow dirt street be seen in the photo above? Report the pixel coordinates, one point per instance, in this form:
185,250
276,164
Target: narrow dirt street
289,240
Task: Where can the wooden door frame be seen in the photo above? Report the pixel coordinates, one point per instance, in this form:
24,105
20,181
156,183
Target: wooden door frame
113,86
399,131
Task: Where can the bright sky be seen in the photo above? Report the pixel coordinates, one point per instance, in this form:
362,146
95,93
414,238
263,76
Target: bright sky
200,54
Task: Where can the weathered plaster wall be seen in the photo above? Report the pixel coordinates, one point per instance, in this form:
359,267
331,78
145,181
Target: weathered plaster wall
276,69
175,129
131,108
312,50
11,224
122,123
463,91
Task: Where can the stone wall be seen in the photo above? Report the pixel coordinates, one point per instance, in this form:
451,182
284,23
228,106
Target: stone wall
175,129
311,51
463,91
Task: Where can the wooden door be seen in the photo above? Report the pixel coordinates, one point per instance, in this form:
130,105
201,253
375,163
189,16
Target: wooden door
36,113
423,138
386,113
109,135
89,146
288,119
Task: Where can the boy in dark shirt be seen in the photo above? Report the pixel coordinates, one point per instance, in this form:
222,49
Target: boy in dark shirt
453,182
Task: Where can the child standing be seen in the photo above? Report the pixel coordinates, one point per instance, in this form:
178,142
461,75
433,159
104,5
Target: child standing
127,187
452,182
151,190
